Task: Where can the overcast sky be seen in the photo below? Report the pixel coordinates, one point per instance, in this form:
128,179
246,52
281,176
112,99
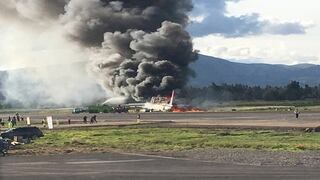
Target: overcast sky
251,31
270,31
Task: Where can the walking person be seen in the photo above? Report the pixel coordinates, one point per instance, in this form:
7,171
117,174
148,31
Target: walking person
95,119
14,121
85,119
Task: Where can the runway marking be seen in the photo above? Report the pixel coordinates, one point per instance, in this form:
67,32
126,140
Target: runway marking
37,173
229,118
79,162
31,163
157,156
107,162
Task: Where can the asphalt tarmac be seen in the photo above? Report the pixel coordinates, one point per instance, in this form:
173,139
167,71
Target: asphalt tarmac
203,116
138,167
207,119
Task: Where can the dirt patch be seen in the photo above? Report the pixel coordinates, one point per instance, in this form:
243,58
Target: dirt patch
254,157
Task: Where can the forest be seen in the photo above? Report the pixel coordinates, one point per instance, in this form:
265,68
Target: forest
239,92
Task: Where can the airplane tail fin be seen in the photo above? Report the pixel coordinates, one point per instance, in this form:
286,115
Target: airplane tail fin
172,98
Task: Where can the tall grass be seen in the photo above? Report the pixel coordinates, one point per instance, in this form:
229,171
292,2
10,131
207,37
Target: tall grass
175,139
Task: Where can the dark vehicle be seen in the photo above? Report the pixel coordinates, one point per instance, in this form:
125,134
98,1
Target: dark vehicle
24,132
4,147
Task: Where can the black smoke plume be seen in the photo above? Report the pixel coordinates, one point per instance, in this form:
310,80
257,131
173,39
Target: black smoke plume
139,48
87,20
138,64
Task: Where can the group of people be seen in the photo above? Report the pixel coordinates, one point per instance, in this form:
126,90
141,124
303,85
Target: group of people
93,119
12,121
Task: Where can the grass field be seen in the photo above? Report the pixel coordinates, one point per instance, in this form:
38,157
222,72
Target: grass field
267,106
36,111
171,139
300,103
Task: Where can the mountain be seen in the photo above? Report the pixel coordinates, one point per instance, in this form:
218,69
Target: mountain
207,69
210,69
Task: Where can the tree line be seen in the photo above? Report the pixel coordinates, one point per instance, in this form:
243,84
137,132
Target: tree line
239,92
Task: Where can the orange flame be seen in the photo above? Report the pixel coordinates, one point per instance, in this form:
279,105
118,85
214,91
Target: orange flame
177,109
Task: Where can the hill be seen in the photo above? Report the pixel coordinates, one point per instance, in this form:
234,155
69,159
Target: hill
63,85
210,69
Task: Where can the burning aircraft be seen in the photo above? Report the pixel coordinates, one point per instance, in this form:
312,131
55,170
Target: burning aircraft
161,104
156,104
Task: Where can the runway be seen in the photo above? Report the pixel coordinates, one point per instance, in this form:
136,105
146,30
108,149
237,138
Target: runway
175,116
205,119
138,167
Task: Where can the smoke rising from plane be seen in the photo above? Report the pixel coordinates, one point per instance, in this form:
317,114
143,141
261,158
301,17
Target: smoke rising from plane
137,49
141,47
139,65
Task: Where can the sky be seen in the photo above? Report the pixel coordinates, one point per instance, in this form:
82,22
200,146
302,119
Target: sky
248,31
42,33
255,31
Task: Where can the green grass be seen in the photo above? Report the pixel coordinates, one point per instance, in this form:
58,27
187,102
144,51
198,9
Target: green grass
25,112
174,139
267,106
300,103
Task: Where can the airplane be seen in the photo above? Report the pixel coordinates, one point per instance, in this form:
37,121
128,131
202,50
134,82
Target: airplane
156,104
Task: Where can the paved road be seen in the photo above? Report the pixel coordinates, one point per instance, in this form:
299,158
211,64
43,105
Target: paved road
138,167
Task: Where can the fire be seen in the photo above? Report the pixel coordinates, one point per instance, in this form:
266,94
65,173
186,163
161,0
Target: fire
177,109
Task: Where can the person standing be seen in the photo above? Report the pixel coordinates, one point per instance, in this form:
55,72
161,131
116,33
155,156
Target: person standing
14,121
1,122
296,112
18,117
138,118
43,122
9,122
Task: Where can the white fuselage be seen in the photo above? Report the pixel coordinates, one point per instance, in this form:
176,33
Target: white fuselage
157,107
156,104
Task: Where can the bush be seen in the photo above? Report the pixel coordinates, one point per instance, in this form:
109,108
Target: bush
100,109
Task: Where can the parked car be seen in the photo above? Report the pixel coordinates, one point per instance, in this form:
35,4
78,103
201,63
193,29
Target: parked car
24,132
